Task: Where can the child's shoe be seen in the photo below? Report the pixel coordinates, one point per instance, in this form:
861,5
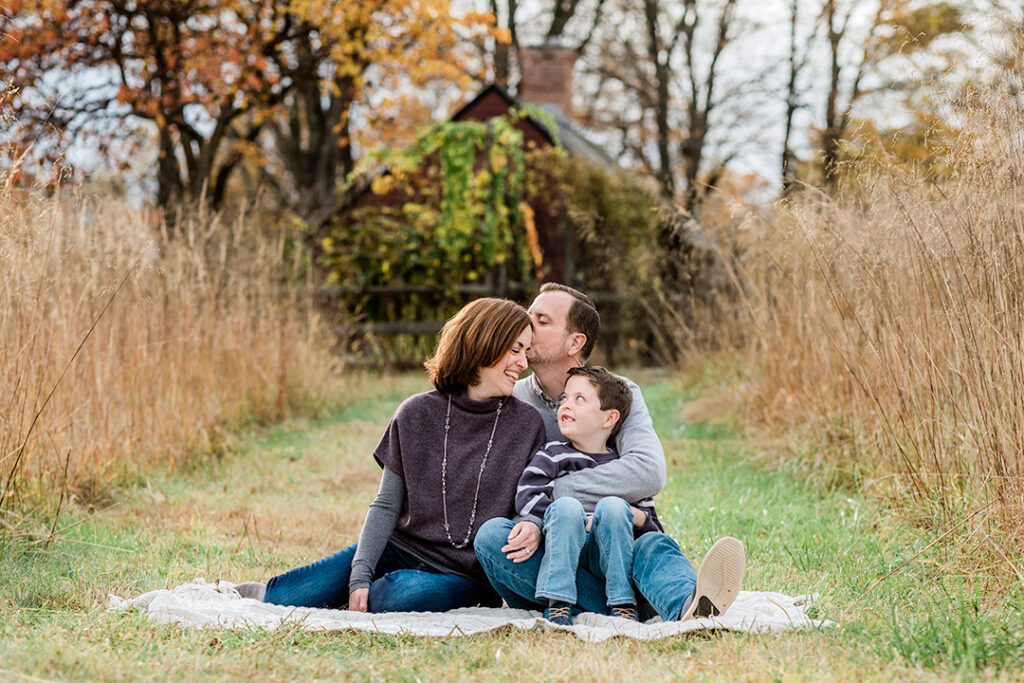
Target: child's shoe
624,612
719,579
559,613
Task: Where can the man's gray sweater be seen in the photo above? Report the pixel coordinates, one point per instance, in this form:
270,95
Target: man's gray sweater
639,471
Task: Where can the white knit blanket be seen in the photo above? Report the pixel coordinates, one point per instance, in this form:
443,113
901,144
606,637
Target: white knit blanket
218,605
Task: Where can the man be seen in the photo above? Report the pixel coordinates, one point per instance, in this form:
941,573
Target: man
565,330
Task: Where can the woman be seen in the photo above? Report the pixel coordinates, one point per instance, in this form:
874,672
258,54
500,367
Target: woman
451,459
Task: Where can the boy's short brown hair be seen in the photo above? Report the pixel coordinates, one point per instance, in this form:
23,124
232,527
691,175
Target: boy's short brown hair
612,391
475,337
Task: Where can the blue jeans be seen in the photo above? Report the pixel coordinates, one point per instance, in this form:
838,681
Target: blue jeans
401,583
606,552
663,576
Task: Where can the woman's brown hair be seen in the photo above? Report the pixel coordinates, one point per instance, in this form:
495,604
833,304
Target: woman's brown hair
475,337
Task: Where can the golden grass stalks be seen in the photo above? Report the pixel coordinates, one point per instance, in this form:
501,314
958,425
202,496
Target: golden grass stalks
209,328
889,323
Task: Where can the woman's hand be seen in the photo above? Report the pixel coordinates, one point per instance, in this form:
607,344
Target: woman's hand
639,516
359,600
523,541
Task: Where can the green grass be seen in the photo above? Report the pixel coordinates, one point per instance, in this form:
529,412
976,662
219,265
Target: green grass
291,493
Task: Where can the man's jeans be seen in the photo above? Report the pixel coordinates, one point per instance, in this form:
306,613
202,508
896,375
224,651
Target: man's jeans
401,583
661,573
606,552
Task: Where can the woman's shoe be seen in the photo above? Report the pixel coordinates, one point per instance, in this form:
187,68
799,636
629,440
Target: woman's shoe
254,591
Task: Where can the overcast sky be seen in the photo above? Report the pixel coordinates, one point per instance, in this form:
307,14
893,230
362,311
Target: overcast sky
750,130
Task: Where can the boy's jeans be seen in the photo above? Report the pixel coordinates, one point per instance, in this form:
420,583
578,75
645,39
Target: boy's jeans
400,584
661,573
606,552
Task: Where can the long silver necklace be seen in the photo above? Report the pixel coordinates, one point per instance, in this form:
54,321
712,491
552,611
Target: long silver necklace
444,473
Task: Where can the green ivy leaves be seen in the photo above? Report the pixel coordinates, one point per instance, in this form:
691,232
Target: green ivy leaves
445,211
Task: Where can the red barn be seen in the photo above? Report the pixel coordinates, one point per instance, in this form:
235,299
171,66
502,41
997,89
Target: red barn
547,85
544,100
555,241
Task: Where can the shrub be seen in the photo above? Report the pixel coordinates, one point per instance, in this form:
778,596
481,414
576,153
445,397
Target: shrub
121,349
887,324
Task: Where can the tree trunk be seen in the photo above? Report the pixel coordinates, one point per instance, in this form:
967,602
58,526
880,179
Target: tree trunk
562,13
170,190
692,149
831,135
700,106
661,100
503,51
788,158
315,149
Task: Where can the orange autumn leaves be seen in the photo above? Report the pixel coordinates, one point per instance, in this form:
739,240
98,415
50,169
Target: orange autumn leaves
206,71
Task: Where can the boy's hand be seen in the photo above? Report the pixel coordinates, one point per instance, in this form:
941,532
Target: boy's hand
590,519
639,517
523,541
359,600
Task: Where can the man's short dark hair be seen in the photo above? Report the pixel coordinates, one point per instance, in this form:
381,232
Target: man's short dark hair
612,391
582,318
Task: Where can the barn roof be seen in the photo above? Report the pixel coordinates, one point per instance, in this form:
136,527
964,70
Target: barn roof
566,133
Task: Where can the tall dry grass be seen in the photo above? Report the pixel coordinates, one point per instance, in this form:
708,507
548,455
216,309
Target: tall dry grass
182,337
888,330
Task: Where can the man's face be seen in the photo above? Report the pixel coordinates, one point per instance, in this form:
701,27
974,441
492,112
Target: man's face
549,313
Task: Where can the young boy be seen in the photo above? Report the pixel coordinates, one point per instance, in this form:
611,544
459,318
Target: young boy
593,406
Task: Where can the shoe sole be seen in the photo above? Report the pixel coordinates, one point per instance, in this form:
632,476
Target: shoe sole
719,579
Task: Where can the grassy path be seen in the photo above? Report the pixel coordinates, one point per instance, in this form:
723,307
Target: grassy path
290,494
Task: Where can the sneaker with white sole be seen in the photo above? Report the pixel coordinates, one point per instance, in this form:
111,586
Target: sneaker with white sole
718,580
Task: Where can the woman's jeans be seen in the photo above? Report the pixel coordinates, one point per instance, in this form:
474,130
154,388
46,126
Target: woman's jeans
606,551
661,573
401,583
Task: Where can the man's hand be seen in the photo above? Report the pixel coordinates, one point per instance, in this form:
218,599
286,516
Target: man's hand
523,541
639,516
590,520
359,600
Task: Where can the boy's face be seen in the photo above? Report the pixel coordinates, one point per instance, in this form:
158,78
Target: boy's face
579,413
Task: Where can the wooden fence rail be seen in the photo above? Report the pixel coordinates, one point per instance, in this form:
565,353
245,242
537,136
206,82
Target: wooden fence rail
616,327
